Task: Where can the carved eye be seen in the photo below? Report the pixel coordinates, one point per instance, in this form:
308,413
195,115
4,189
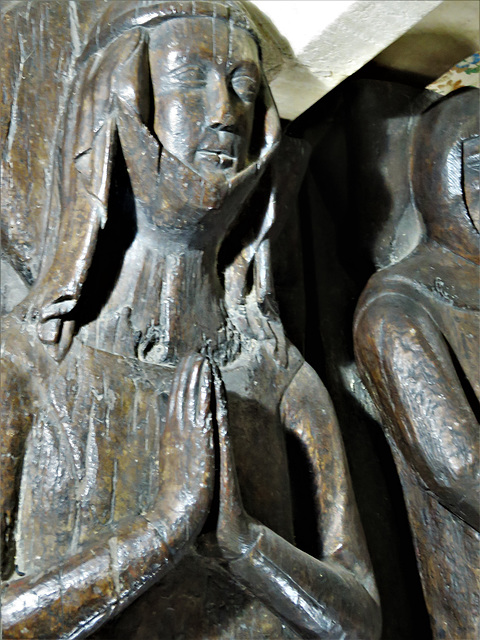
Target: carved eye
189,76
245,85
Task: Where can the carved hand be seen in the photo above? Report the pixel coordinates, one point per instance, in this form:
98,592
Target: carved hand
234,532
186,466
55,331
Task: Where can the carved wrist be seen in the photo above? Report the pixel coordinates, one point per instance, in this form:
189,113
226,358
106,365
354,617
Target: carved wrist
248,549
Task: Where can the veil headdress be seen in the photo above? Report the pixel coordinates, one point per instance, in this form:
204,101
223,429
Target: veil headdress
437,176
114,68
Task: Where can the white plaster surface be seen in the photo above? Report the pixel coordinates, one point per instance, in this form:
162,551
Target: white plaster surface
448,34
319,43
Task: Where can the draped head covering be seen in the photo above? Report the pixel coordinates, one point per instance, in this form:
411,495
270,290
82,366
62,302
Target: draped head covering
114,67
441,149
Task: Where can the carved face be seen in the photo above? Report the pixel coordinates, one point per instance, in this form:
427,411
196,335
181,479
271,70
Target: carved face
206,76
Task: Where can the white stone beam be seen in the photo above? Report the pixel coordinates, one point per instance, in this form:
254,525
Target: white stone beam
319,43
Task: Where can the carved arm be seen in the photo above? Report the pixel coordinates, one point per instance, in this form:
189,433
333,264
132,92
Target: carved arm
409,372
331,597
74,598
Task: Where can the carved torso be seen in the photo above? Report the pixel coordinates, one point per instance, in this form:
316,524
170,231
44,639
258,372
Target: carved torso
427,286
107,458
151,384
106,463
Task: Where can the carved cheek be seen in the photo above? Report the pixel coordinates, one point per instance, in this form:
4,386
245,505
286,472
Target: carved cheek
246,118
178,123
244,113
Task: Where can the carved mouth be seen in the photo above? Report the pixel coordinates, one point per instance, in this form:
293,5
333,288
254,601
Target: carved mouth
217,157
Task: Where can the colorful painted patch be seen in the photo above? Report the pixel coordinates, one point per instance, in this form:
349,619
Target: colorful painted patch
466,73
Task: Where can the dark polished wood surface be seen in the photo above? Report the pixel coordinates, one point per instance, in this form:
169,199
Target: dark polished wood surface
417,336
148,387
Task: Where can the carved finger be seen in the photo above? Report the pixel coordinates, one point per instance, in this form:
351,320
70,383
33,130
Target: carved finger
57,309
192,389
188,420
230,498
49,331
203,395
65,339
185,376
57,336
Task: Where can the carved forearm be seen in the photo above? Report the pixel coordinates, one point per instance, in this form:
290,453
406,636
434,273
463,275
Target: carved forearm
88,588
317,599
98,582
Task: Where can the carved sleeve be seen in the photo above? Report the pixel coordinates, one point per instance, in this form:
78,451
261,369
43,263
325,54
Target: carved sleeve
17,411
331,597
408,369
87,157
85,590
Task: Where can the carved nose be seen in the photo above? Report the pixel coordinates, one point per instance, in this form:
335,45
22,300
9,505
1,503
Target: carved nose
221,114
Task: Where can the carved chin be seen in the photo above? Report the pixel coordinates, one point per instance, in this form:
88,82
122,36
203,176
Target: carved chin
195,187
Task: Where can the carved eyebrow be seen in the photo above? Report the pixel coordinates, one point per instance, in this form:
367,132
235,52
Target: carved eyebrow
184,66
191,73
